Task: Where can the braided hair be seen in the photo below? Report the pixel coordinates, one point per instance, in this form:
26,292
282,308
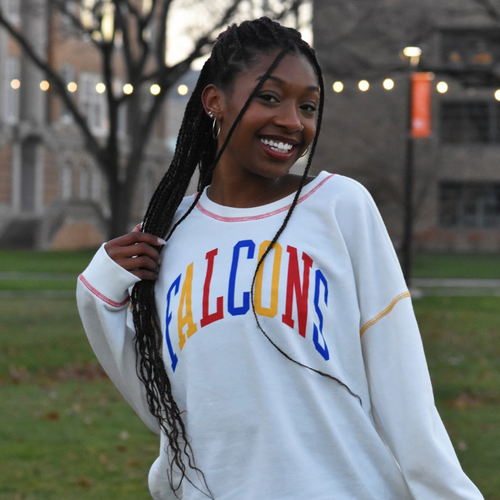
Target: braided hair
235,50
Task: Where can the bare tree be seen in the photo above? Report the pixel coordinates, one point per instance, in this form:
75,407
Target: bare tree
132,34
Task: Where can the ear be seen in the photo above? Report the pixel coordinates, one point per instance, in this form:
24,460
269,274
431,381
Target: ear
211,98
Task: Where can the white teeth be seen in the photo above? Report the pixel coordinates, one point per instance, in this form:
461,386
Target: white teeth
279,147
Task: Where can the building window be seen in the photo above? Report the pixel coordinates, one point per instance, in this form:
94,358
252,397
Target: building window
13,92
96,185
471,53
67,182
68,75
470,122
469,204
29,162
69,13
91,103
84,184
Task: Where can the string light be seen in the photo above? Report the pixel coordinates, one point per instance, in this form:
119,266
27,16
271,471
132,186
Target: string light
72,87
128,89
155,89
363,85
44,85
497,95
442,87
388,84
412,51
182,89
338,87
100,88
15,84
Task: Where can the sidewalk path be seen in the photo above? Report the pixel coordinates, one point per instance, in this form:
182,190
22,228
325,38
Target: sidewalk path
435,286
38,292
15,275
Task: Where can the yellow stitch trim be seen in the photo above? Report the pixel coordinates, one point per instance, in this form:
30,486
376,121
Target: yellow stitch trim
385,312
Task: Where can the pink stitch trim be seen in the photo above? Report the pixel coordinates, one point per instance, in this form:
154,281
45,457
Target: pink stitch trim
100,295
221,218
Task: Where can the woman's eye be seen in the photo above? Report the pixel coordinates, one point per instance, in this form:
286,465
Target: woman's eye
268,98
309,107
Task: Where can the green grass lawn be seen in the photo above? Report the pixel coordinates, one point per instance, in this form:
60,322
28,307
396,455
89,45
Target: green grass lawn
72,439
462,340
34,271
72,262
456,266
66,433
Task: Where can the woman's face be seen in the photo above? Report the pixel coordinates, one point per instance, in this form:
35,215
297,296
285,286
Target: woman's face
279,124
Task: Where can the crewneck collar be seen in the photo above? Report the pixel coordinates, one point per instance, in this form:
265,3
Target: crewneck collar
232,214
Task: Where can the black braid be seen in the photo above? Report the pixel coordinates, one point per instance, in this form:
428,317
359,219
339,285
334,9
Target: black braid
235,50
236,38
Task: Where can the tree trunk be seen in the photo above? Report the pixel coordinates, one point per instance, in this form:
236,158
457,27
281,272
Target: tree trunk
121,199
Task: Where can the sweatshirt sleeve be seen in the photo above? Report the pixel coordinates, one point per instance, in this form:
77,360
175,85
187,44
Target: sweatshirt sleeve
103,300
402,400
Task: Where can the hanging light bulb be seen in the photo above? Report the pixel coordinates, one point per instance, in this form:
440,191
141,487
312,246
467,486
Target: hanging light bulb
388,84
363,85
338,87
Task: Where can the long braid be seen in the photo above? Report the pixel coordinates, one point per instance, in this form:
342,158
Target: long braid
234,51
148,341
282,228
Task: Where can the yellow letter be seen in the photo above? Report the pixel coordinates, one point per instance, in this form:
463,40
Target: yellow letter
272,310
186,320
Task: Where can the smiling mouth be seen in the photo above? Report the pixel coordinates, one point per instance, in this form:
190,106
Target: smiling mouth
279,147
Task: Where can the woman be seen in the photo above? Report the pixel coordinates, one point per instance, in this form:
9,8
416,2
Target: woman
275,349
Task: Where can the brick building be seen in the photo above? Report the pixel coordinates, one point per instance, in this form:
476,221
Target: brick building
52,195
457,174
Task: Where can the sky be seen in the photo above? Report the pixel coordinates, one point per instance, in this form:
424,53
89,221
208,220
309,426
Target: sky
188,18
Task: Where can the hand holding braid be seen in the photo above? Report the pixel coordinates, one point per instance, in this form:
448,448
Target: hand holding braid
137,253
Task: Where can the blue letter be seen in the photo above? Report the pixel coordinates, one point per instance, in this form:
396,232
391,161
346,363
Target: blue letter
175,288
322,350
233,310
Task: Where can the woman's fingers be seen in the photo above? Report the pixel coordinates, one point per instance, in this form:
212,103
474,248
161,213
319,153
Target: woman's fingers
133,251
137,253
136,237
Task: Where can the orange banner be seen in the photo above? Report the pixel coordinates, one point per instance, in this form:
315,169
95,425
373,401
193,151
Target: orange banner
421,105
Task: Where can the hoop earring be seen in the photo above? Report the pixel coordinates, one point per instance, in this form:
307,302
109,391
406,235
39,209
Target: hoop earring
215,131
305,152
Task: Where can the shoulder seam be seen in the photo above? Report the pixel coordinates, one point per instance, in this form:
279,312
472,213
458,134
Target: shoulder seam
99,295
383,313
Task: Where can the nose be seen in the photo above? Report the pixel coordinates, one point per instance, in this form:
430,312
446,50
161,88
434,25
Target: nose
288,118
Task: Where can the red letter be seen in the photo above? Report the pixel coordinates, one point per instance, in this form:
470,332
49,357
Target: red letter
293,287
219,313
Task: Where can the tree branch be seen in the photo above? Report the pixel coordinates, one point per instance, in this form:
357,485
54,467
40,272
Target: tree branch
491,10
161,39
62,7
56,81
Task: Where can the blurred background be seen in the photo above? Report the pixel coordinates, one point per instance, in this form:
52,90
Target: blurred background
92,94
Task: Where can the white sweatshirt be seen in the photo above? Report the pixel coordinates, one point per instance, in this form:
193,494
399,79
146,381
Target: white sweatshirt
331,296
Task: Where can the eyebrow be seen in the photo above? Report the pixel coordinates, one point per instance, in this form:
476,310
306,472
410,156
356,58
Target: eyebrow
313,88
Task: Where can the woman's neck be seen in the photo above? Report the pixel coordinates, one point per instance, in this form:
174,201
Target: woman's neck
252,191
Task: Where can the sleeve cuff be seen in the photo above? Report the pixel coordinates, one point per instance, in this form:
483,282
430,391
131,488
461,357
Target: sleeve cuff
107,280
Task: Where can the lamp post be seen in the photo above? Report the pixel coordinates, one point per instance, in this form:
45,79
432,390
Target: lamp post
418,126
413,53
